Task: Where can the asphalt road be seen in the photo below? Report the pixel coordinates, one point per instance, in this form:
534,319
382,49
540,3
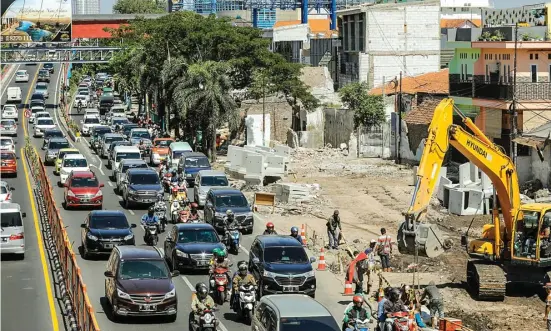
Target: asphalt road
27,300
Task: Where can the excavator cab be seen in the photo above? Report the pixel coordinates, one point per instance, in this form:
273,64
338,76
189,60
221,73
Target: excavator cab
531,236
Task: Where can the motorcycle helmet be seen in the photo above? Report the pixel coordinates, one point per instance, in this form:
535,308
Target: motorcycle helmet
173,172
294,231
201,290
174,190
216,252
229,213
242,269
151,211
270,226
221,255
358,301
395,295
194,206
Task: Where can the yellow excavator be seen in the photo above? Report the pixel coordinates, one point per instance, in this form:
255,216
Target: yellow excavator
515,247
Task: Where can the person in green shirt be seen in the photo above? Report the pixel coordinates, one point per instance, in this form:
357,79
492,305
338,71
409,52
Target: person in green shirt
354,313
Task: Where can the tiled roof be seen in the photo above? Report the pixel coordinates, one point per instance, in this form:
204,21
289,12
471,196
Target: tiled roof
457,23
315,25
432,83
423,113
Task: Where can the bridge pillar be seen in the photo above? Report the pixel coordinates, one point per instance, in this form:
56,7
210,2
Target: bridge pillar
304,16
333,25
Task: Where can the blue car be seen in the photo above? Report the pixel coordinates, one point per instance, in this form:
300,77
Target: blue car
191,163
141,186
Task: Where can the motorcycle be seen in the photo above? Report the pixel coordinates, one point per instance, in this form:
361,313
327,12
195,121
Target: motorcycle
175,207
247,302
79,108
219,285
151,237
359,325
402,322
183,216
167,176
232,238
160,212
207,321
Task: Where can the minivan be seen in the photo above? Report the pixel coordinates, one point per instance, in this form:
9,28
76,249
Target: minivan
124,153
191,163
205,180
12,237
14,94
175,150
280,265
292,312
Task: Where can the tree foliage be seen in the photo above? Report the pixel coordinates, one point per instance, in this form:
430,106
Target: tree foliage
138,7
369,110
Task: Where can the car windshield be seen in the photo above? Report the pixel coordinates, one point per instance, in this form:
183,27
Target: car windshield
37,109
21,73
91,120
197,162
109,140
140,134
214,181
37,96
163,143
10,219
101,131
44,72
145,179
197,236
120,121
109,222
318,323
177,154
143,269
7,156
53,134
10,107
133,166
42,115
5,142
75,163
7,122
62,154
231,200
123,156
84,182
45,122
41,87
83,92
3,190
289,255
58,144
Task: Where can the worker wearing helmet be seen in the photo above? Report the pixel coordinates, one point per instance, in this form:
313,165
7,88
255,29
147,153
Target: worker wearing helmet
355,313
270,229
219,260
242,278
294,234
200,300
194,214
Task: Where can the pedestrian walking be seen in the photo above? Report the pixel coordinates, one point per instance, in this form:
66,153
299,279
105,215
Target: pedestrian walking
334,229
384,249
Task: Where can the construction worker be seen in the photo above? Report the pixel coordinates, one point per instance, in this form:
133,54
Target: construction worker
436,302
334,229
270,229
354,313
200,300
391,306
243,277
384,249
370,265
360,269
381,316
548,306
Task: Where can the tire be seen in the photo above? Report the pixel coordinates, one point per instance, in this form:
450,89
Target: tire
155,240
173,263
172,318
85,255
249,317
114,314
221,297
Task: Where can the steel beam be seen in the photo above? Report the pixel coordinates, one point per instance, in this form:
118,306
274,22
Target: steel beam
58,55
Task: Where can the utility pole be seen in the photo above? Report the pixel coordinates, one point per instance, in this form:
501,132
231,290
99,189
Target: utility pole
382,130
513,112
263,108
400,121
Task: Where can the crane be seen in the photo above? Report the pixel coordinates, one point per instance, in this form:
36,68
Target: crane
515,247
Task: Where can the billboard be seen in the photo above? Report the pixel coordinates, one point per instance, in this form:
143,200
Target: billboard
38,21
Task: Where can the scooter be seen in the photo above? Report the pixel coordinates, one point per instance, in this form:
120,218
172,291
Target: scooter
402,322
247,302
219,285
207,321
183,216
175,207
160,212
151,237
232,238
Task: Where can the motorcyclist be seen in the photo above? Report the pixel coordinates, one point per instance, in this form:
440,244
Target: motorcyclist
228,221
392,306
163,167
354,313
294,234
150,218
79,105
174,178
242,278
194,214
219,260
270,229
200,300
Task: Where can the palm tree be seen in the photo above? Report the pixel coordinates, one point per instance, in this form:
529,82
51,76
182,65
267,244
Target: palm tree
206,91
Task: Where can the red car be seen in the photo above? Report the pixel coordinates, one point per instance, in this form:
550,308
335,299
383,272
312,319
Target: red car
82,188
8,163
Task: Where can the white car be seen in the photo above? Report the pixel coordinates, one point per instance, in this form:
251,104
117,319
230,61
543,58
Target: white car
43,124
42,88
70,163
88,123
7,144
82,99
8,127
21,76
5,192
85,93
35,110
10,112
91,112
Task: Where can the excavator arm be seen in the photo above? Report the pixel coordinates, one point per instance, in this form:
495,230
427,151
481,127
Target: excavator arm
476,147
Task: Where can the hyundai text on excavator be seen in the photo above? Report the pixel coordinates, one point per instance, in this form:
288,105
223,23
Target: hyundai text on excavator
515,247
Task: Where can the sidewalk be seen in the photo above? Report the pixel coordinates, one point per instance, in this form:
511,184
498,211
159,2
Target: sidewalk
6,73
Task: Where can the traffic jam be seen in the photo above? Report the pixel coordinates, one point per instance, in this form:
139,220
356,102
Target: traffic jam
159,232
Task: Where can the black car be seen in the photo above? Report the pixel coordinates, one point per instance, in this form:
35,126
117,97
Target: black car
103,230
221,199
49,67
51,133
139,283
190,246
44,75
141,186
280,265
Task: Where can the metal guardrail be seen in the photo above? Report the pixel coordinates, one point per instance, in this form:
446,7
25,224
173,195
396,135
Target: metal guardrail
74,288
58,55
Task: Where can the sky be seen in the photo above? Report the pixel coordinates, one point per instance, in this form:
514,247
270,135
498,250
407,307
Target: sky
106,6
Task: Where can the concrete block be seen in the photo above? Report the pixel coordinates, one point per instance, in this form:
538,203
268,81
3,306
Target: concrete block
475,202
466,201
486,182
282,150
446,188
253,179
440,188
474,173
232,153
237,160
275,166
254,164
465,175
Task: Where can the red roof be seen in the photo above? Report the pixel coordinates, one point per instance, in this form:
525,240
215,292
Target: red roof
92,30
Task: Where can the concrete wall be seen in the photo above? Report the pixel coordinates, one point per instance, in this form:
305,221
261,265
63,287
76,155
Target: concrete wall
321,85
339,124
280,116
524,169
542,170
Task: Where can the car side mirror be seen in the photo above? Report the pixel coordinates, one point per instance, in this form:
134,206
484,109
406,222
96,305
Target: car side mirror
312,259
133,225
81,122
83,225
256,260
101,185
24,214
175,273
108,274
12,188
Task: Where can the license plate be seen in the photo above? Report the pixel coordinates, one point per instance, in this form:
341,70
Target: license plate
108,245
202,263
160,214
290,288
148,307
84,200
147,200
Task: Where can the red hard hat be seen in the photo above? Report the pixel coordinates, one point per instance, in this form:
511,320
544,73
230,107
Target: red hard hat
269,225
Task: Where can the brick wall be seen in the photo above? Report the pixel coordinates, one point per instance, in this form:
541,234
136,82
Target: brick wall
280,116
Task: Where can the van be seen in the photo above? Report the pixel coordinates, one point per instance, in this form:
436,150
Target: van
14,94
191,163
205,180
124,153
105,104
175,151
12,237
292,312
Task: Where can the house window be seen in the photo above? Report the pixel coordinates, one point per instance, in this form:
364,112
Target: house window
536,56
549,56
485,56
531,56
534,73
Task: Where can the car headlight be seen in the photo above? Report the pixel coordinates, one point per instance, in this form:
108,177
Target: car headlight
123,295
310,274
70,193
171,294
130,236
91,236
131,191
269,274
181,254
188,175
99,194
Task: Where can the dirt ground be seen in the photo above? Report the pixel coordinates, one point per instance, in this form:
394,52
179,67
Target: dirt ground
373,193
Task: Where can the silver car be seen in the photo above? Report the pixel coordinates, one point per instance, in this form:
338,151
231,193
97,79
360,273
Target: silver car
8,127
12,236
5,192
124,165
53,147
106,141
42,88
205,180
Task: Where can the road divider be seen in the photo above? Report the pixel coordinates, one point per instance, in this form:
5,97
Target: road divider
72,287
69,124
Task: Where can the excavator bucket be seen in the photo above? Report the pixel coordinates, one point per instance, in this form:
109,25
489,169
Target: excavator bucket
431,240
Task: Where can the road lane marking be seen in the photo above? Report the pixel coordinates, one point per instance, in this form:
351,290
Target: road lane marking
120,198
25,121
110,184
244,249
56,106
131,211
45,271
99,168
192,289
9,80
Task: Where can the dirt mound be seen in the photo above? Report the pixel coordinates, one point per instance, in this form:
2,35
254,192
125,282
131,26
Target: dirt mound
475,321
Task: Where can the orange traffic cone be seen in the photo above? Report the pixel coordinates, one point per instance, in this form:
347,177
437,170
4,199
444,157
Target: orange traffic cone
303,235
321,263
348,289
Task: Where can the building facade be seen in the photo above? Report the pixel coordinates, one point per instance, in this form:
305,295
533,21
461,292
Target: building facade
86,7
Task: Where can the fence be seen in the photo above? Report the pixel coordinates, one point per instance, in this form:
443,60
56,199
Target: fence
69,271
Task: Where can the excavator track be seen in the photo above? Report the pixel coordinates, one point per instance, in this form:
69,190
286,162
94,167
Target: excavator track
487,281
